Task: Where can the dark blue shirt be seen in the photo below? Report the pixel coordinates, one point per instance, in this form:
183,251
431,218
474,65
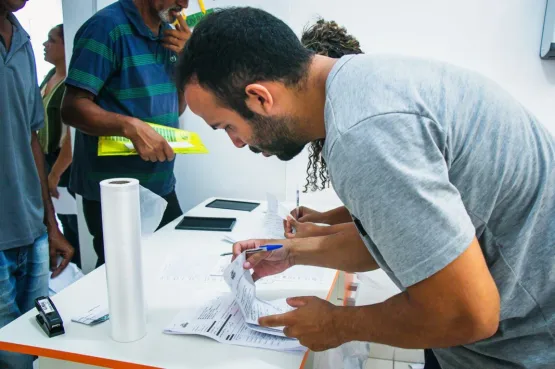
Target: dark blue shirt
21,113
118,59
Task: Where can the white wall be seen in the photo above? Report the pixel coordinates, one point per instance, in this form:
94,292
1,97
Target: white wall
497,38
37,25
75,13
225,171
500,39
228,171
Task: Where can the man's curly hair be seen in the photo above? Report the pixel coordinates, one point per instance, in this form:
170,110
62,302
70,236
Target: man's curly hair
329,39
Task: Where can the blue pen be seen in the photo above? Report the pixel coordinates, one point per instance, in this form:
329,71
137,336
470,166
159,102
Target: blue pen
264,248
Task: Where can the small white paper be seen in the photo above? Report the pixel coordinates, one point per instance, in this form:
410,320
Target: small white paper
65,203
282,212
257,226
68,276
275,207
272,203
96,315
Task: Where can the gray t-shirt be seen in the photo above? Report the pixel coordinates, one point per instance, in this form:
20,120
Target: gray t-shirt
426,156
21,112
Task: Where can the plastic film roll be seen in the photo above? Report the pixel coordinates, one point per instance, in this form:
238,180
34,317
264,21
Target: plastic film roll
121,225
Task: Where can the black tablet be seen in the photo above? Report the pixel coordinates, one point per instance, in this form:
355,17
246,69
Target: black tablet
233,205
207,224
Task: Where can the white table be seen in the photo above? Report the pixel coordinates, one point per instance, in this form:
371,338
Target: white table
93,345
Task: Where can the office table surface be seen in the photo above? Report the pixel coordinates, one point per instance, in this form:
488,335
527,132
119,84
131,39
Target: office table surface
165,298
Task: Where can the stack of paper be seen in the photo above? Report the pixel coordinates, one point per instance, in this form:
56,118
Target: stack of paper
233,319
223,321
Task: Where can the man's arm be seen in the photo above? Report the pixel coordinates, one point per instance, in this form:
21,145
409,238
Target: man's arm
305,230
58,244
344,250
80,111
458,305
60,166
337,216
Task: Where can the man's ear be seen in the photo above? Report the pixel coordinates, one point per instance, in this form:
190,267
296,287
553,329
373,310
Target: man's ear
259,99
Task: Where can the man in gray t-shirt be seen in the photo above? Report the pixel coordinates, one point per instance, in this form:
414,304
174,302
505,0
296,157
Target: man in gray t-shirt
450,182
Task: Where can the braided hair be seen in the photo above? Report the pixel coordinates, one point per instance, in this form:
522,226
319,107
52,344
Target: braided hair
329,39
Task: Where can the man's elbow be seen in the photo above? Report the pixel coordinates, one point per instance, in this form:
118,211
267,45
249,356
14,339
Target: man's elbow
67,111
485,325
480,325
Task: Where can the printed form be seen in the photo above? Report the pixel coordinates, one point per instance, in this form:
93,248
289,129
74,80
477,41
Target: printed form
223,321
233,319
243,288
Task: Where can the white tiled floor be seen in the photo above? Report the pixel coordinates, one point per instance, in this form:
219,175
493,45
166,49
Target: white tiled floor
378,351
401,365
387,357
410,356
379,364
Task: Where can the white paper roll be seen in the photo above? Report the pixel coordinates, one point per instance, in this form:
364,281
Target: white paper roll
121,225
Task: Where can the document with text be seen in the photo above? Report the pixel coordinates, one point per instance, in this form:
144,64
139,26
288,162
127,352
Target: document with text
243,289
223,321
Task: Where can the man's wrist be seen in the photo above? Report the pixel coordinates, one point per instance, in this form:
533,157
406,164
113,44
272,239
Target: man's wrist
54,174
327,218
128,126
52,227
342,318
293,252
302,250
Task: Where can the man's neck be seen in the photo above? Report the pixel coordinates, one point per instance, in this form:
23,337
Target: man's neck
152,21
4,21
314,97
6,33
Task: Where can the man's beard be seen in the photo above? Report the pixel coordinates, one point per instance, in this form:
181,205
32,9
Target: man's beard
274,136
166,16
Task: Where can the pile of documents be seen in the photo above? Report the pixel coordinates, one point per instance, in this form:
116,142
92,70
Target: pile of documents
233,318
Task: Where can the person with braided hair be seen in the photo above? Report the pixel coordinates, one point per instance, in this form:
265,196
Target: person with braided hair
329,39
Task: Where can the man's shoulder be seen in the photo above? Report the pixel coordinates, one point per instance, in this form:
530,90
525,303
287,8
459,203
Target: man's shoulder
106,20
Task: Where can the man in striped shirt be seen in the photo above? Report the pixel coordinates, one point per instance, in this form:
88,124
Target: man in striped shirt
121,76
